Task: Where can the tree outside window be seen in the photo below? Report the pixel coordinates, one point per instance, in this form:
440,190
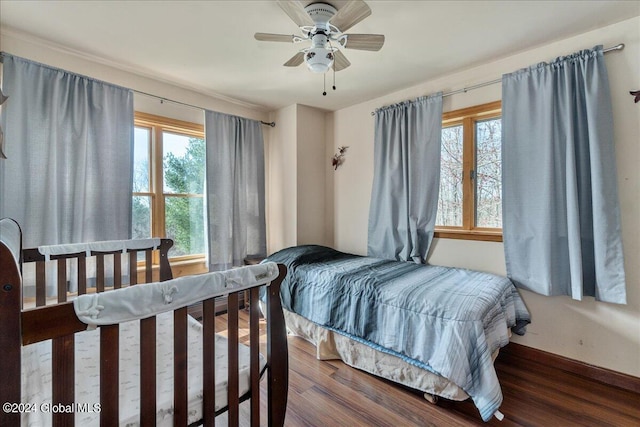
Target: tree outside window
470,200
168,190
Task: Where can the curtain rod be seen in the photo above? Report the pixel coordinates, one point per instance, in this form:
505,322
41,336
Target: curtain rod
162,99
492,82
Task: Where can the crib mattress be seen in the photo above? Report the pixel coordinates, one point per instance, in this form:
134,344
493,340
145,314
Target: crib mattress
36,375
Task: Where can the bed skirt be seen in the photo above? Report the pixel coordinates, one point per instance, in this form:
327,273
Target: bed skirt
334,346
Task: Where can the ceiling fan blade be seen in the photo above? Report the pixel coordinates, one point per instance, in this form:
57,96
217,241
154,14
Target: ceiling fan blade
340,62
295,10
364,41
350,14
268,37
295,60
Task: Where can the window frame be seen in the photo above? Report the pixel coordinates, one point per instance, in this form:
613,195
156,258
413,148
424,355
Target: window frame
157,125
467,118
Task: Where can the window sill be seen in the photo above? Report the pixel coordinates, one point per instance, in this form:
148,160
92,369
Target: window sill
187,267
483,235
186,261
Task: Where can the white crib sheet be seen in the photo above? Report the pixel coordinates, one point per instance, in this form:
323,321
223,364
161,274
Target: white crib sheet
36,375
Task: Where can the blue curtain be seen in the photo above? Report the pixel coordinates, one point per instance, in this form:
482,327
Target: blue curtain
235,190
69,144
561,214
404,197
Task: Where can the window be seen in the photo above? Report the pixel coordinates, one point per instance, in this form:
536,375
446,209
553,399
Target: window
470,205
168,185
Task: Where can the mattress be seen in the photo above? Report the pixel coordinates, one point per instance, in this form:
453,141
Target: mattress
36,375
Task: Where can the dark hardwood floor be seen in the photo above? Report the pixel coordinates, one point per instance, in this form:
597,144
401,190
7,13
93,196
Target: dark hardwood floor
330,393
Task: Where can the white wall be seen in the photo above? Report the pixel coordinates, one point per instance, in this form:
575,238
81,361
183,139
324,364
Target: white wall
601,334
282,181
297,178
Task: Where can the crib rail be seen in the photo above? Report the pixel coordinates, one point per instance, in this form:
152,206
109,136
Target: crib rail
43,323
58,322
33,255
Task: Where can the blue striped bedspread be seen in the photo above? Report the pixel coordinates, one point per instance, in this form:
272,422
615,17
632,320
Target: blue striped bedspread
446,320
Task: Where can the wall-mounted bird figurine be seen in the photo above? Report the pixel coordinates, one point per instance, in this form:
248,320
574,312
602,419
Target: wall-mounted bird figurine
338,158
635,93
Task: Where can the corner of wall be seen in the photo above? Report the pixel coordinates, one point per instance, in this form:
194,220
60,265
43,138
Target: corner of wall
281,190
311,175
329,192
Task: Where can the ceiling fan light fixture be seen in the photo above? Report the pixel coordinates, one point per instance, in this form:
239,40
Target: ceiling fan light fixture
324,25
319,59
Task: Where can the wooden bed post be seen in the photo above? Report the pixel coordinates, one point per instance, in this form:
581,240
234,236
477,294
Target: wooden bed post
10,335
277,353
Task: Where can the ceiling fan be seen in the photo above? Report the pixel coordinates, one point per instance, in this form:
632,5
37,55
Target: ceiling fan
325,25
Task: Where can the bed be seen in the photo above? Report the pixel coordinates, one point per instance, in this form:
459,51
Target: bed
431,328
119,352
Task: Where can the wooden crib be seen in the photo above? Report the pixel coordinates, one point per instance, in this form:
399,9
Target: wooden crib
57,321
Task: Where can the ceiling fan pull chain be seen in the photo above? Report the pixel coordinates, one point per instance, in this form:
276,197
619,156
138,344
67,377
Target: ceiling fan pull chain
333,65
324,84
334,77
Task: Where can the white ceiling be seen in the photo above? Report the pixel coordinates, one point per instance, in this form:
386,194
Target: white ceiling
209,45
